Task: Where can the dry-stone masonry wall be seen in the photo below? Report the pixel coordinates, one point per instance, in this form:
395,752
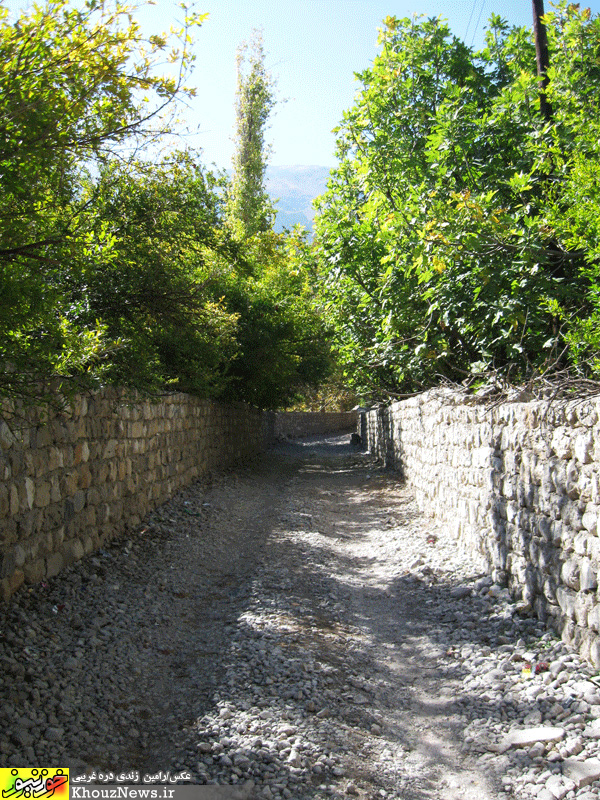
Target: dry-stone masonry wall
71,479
518,484
297,424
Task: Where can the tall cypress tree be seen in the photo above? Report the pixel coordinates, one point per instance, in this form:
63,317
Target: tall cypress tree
249,207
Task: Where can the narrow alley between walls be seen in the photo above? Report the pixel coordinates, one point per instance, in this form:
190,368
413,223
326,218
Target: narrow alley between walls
296,629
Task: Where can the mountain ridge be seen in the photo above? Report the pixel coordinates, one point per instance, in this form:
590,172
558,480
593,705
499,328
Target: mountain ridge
293,188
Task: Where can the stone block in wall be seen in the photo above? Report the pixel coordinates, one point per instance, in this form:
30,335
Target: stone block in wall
570,574
526,494
57,537
117,511
585,483
72,551
69,483
79,500
12,584
89,518
508,487
88,544
549,588
588,578
7,437
81,453
595,484
562,443
570,482
34,571
580,543
572,515
594,652
589,519
54,564
584,448
45,436
110,449
42,494
6,472
530,588
586,639
55,492
583,605
137,430
512,512
53,516
9,563
557,531
566,600
540,608
593,620
26,490
593,549
541,555
6,500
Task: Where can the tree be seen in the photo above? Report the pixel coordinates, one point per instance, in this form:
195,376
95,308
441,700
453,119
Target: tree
152,294
120,268
78,87
542,56
281,339
249,207
452,240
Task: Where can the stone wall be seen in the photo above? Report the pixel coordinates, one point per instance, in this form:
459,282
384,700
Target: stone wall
518,485
70,480
299,424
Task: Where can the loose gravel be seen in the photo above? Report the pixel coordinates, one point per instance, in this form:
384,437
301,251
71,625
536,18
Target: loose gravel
297,629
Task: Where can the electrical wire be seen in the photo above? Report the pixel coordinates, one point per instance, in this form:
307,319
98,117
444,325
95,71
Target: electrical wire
477,23
470,18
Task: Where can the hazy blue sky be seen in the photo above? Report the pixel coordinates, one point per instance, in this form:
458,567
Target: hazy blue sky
314,48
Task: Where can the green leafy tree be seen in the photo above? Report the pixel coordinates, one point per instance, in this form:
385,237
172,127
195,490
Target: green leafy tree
443,238
78,86
283,342
250,209
123,269
152,293
572,151
187,306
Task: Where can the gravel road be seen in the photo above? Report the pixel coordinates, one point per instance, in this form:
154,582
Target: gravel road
296,629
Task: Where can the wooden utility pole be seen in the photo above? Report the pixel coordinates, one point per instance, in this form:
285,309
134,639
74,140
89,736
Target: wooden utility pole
542,56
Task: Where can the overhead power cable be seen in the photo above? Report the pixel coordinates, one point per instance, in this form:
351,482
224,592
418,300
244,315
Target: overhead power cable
470,18
477,23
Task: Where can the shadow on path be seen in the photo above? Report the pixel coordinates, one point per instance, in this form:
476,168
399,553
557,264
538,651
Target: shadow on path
283,597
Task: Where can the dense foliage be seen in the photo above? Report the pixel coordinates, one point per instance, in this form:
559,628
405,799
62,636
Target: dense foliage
459,234
117,267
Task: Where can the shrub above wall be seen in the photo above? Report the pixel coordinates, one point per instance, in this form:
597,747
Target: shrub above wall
73,478
517,484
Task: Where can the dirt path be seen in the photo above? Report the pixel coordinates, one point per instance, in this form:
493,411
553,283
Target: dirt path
291,629
311,546
346,540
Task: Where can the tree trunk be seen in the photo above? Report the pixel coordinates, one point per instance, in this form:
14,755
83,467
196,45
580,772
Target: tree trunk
542,56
